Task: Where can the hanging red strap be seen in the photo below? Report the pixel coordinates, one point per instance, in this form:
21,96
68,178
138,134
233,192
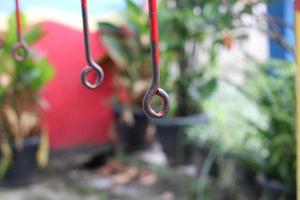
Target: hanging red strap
20,51
18,19
84,4
154,29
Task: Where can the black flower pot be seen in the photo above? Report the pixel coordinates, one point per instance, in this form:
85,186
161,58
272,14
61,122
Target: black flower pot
200,157
24,164
274,190
170,133
132,138
245,181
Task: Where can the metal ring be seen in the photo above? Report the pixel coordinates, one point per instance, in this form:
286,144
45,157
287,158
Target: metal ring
147,103
24,48
99,80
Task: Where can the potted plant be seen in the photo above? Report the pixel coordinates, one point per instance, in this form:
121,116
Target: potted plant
192,36
188,78
271,85
23,141
258,139
128,48
229,142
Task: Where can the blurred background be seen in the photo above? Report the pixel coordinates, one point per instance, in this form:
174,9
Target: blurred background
228,67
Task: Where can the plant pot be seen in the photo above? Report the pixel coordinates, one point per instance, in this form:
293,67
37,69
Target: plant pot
245,181
24,164
199,158
240,176
170,133
274,190
132,138
244,176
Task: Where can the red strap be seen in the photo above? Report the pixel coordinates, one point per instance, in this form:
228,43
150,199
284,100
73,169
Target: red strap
154,28
84,3
18,17
297,5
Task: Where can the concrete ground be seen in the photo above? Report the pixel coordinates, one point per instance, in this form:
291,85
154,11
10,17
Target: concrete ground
85,185
61,182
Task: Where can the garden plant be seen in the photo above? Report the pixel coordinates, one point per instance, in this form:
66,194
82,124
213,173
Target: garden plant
20,87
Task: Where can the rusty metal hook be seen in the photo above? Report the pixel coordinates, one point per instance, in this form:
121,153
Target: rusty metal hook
21,45
92,65
154,88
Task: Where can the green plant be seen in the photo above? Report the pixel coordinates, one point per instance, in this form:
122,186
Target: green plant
20,84
129,47
193,33
262,134
187,30
271,86
226,132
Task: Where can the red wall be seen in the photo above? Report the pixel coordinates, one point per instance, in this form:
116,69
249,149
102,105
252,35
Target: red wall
74,115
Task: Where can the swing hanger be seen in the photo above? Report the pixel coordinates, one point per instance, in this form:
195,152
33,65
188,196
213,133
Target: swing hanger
92,65
154,88
21,50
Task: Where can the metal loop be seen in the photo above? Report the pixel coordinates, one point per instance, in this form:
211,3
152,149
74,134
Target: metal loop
20,46
99,73
147,102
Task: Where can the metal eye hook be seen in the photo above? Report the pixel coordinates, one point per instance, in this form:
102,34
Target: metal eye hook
92,64
154,88
21,44
87,70
20,47
147,102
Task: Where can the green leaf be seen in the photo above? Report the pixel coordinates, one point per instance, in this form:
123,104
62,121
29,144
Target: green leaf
133,7
33,34
116,50
109,28
207,89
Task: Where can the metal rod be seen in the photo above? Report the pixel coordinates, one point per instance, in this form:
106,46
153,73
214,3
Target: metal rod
20,46
154,88
92,65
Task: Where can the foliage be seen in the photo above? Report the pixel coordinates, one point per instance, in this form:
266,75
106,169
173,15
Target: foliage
193,33
129,48
20,84
187,30
226,132
262,134
272,87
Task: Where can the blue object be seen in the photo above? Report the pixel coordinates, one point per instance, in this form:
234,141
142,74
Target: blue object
282,10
